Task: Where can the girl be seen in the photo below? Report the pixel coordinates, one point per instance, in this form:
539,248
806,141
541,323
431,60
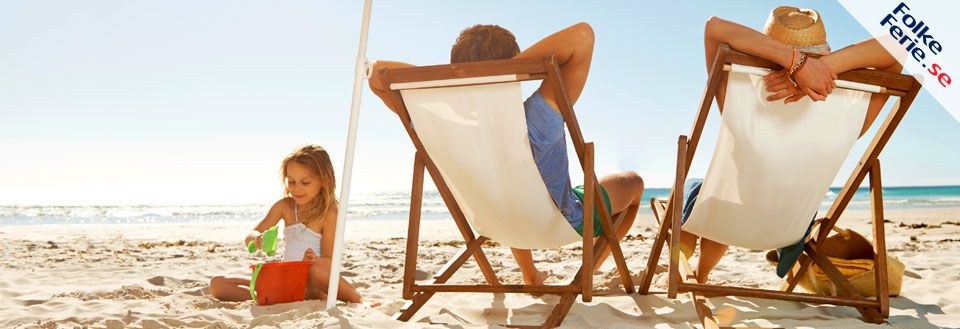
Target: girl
309,213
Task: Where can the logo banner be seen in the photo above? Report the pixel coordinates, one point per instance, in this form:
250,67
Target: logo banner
924,36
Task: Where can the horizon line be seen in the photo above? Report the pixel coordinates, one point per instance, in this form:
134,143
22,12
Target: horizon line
382,191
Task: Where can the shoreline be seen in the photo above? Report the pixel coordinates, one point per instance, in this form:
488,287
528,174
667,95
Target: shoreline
155,275
362,228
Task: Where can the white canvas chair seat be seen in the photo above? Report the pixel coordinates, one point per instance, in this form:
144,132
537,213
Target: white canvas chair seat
771,168
773,164
477,137
469,127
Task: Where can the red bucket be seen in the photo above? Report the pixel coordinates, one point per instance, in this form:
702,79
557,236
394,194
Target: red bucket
279,282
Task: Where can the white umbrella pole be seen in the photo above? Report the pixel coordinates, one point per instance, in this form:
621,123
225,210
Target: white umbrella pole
359,76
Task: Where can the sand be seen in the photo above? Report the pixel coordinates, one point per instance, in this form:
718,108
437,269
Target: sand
156,276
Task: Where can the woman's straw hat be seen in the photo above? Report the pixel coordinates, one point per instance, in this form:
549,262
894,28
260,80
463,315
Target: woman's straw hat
800,28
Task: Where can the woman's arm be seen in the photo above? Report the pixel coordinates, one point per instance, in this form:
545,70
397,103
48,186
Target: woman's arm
272,218
815,79
573,49
379,87
866,53
744,39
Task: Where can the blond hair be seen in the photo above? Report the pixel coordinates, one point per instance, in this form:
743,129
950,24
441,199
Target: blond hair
317,161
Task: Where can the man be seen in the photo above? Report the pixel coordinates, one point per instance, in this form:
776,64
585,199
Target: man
573,50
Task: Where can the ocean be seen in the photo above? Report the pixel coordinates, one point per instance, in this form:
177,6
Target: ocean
385,206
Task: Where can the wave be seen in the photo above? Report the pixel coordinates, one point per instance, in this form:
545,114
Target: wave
902,203
381,206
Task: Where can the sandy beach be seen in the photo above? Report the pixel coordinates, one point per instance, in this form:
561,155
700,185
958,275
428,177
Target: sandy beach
156,276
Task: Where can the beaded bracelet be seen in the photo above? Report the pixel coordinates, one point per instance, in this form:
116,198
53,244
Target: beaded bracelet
793,57
800,62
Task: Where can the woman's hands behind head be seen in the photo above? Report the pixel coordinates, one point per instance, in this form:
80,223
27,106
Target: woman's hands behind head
815,79
781,86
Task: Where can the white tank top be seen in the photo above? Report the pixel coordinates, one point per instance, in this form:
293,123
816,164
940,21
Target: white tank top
297,238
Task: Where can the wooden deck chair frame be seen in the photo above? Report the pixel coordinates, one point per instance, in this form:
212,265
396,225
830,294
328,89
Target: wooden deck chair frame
545,69
680,273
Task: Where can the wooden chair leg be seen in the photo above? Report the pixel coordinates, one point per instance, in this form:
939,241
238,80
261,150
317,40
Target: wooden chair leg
673,272
655,249
566,300
667,224
609,233
586,271
488,273
879,242
413,229
844,287
554,319
792,281
625,277
560,311
445,273
703,311
676,230
698,300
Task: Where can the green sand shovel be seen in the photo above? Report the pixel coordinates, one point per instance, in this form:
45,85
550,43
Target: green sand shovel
269,244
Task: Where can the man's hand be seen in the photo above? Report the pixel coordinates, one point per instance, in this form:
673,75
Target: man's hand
572,47
379,87
815,79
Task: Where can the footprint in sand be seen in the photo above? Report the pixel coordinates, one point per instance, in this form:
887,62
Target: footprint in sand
166,281
124,293
422,275
157,280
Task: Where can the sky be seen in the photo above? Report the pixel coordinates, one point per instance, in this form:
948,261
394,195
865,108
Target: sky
187,102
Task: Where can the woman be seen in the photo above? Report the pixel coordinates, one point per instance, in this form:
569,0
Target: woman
789,35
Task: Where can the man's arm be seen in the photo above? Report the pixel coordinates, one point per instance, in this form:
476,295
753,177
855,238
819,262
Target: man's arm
573,49
379,87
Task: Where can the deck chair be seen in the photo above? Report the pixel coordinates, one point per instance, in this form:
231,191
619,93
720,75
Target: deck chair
468,126
772,166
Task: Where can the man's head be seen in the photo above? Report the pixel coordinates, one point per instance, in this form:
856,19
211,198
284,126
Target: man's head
484,43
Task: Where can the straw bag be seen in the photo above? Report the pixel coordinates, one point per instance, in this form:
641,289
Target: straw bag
853,256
